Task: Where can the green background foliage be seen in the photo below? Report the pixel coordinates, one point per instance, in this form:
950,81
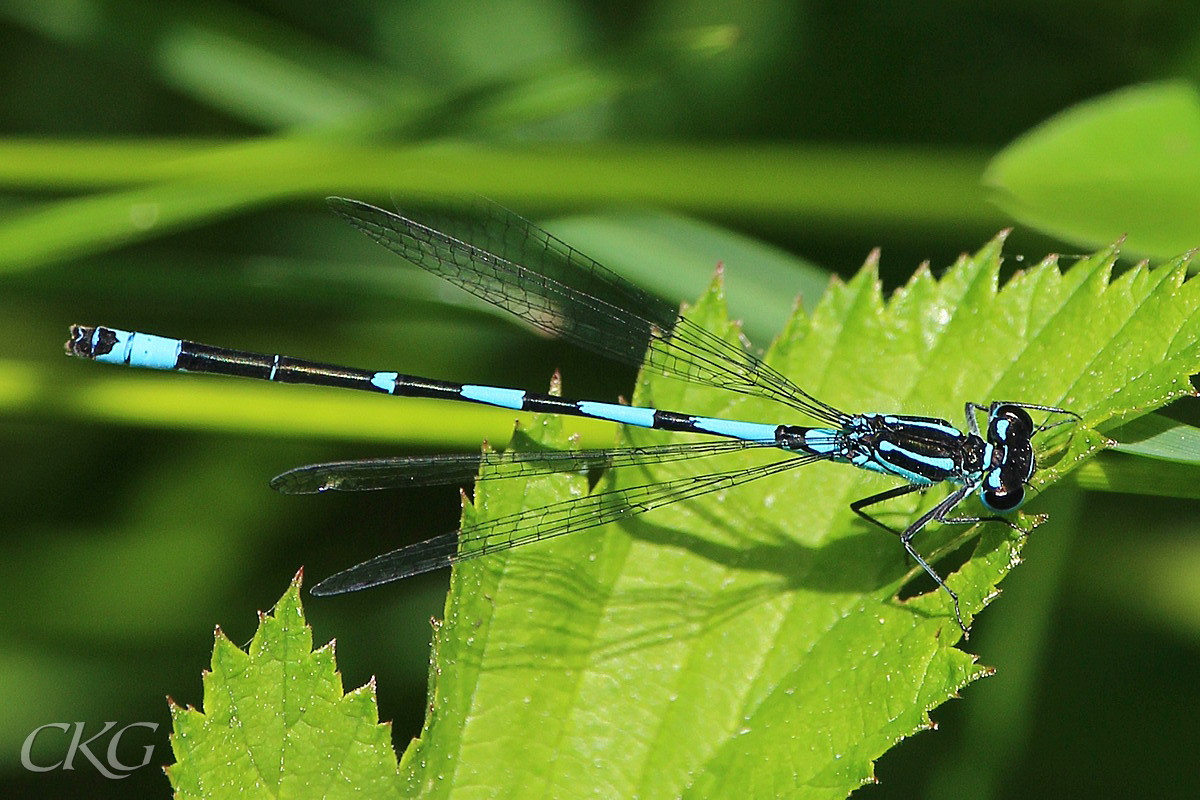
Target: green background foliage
163,165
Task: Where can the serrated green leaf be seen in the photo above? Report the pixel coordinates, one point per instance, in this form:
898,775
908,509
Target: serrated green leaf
751,643
276,722
1125,164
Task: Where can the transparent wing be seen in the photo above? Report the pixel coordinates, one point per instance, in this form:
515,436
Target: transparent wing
436,470
539,524
508,261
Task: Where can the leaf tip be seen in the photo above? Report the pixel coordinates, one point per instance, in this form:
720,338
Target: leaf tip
872,260
715,291
244,690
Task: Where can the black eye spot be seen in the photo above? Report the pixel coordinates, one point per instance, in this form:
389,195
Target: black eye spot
1004,499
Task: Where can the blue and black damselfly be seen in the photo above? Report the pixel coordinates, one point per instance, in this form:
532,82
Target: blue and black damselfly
515,265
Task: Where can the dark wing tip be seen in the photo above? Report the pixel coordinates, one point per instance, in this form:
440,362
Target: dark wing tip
349,207
291,482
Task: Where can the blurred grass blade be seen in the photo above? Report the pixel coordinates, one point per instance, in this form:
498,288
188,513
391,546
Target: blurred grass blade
245,65
1121,474
252,66
859,186
1159,437
72,228
250,409
257,86
551,89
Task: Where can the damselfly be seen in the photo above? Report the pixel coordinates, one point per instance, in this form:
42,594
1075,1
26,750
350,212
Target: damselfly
515,265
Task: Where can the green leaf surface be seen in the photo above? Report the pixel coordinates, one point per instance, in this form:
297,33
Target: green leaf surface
1125,164
751,643
276,722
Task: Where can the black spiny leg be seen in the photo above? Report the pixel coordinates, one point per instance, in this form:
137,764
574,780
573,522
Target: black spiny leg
937,513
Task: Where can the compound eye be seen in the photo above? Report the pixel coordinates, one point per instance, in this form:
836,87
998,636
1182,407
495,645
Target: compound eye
1009,422
1004,499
